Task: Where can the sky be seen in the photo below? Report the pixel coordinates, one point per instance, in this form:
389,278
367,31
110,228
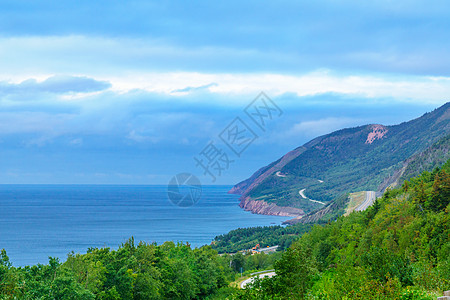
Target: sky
135,92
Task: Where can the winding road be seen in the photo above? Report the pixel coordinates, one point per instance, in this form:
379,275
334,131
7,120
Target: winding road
250,280
370,198
302,193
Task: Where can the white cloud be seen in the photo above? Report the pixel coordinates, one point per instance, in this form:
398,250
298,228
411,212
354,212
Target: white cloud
402,88
148,65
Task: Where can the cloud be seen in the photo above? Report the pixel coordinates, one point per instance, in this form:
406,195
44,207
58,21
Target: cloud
147,85
67,84
138,131
149,117
229,90
195,89
55,85
117,55
405,37
239,88
140,138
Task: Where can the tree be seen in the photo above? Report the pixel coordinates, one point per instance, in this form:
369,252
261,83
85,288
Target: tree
405,186
296,271
382,264
7,275
238,261
421,195
440,196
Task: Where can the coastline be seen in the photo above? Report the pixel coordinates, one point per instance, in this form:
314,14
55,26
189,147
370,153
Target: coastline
261,207
54,220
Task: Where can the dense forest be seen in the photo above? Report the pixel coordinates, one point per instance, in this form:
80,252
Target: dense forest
397,249
143,271
247,238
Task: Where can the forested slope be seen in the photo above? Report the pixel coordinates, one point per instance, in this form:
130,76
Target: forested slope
397,249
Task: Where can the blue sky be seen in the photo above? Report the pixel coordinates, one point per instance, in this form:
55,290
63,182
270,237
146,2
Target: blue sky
129,92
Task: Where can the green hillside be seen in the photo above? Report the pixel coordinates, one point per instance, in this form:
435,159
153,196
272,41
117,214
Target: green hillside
348,160
397,249
429,159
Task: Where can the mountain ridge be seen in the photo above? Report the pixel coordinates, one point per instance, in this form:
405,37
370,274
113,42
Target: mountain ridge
367,157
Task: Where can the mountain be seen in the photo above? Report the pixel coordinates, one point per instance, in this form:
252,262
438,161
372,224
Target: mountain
317,177
397,249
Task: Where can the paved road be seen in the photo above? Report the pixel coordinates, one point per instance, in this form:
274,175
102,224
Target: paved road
250,280
302,194
370,198
269,249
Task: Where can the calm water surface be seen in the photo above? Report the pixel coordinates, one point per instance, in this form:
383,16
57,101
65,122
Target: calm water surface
37,221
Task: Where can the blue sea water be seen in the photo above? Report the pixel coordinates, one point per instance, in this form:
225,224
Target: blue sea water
37,221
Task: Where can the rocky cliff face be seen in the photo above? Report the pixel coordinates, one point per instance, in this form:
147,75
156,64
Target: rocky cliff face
264,208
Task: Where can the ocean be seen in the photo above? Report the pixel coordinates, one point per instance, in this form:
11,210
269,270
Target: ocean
38,221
